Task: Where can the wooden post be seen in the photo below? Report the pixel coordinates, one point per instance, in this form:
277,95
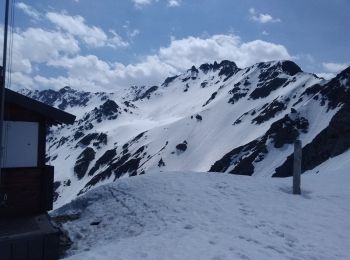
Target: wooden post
297,167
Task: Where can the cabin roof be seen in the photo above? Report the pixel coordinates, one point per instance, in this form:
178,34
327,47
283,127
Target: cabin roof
52,115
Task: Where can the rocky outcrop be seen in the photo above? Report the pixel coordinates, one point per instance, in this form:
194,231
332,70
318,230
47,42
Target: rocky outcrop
82,164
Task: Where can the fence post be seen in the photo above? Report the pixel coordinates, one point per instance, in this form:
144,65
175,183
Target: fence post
297,167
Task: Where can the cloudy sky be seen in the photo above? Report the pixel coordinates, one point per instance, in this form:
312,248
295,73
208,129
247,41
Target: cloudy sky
102,45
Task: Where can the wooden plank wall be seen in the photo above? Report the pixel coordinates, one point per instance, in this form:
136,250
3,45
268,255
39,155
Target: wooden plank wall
38,247
23,188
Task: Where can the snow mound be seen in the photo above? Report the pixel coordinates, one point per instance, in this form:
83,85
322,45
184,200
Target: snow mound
187,215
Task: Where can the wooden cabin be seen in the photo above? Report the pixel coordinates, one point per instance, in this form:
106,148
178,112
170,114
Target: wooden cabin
26,183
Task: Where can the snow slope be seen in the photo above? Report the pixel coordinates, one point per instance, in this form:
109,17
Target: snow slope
217,118
188,215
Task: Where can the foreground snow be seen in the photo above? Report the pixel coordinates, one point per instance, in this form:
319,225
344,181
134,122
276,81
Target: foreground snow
186,215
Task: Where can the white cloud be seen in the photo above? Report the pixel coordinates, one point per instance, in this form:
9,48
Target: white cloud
326,75
262,18
90,72
174,3
141,3
93,36
36,45
183,53
29,10
131,33
332,67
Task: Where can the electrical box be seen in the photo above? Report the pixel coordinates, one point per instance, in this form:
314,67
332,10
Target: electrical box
20,142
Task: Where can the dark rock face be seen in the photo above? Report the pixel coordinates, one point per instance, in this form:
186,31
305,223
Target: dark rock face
118,167
161,163
169,80
103,160
99,138
118,164
194,72
237,93
187,87
78,134
83,162
270,77
48,96
265,89
335,138
199,117
63,98
129,104
62,141
332,141
108,109
269,111
147,94
287,130
206,67
228,69
212,97
335,92
239,120
242,159
290,68
204,84
182,147
56,185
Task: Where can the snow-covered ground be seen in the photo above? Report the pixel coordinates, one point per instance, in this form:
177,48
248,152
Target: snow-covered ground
187,215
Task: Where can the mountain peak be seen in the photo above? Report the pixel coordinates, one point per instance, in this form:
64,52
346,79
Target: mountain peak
226,64
290,67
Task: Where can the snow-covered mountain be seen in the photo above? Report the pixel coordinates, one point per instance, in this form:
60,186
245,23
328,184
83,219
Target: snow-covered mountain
217,118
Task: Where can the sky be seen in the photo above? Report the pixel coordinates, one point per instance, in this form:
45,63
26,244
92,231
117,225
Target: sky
103,45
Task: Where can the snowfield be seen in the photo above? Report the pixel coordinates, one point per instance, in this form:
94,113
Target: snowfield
188,215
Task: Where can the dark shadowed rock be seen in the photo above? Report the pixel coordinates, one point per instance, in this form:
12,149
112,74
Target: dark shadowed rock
228,69
83,162
161,163
212,97
199,117
169,80
78,134
237,93
269,111
147,94
290,68
182,147
265,89
241,159
105,159
99,138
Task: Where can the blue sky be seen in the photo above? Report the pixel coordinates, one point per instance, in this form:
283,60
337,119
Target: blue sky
117,43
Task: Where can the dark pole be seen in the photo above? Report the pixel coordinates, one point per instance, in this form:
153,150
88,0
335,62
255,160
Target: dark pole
297,167
2,87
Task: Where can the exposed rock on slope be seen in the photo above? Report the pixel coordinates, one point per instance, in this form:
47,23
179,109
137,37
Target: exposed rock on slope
241,121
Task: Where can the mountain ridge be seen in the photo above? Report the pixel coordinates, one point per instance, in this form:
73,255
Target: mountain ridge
216,117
